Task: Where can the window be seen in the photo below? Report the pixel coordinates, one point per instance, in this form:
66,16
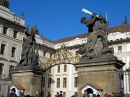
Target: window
58,82
1,68
24,39
50,55
58,70
64,94
0,88
43,82
5,30
75,81
13,52
64,82
44,53
75,68
49,82
65,68
76,53
11,67
15,34
119,48
2,49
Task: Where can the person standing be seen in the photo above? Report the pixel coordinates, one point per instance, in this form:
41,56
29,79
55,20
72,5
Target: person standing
57,95
37,94
60,94
86,94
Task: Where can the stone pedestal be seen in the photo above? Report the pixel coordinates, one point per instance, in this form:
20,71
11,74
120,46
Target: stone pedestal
29,79
102,74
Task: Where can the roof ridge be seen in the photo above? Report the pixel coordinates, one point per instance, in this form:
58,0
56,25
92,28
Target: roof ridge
119,25
78,35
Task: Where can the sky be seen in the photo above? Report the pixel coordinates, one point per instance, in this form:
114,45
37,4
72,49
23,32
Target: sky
57,19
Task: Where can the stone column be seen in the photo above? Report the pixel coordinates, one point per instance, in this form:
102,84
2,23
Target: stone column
1,28
12,32
18,36
29,79
9,32
104,75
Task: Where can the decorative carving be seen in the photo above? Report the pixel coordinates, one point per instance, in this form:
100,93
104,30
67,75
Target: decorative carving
5,3
28,56
22,15
62,56
35,30
3,76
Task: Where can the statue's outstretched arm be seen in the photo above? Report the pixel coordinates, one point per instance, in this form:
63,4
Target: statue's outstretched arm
26,31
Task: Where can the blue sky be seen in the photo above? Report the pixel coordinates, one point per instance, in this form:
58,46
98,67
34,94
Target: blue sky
57,19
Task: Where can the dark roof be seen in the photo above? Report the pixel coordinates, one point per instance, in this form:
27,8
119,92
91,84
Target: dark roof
121,28
45,39
71,38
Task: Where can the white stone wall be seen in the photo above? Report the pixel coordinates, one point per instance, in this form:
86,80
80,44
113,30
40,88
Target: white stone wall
7,14
10,41
123,55
8,60
76,41
70,74
118,35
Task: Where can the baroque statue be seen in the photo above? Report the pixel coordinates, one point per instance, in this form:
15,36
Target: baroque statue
96,47
5,3
29,57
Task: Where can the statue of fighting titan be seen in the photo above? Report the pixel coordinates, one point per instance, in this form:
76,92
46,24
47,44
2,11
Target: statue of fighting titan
28,56
96,41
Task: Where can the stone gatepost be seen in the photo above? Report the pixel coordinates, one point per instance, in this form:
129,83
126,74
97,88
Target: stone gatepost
102,74
31,80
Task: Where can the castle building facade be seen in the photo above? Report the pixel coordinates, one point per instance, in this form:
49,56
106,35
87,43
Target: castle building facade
62,77
65,75
11,39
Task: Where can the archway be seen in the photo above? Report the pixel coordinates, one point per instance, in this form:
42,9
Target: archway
62,56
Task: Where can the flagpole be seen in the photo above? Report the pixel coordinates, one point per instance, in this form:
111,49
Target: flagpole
106,16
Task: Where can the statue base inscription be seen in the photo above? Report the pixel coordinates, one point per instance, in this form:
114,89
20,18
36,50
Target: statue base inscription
104,74
29,79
